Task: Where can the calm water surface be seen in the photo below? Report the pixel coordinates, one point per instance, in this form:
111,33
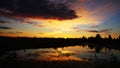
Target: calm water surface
66,53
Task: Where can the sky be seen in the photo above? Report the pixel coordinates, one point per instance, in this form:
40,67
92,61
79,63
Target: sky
59,18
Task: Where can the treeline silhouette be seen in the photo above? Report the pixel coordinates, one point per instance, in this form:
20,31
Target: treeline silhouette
25,42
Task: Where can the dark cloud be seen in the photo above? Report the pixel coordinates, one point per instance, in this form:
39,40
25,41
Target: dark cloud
38,9
35,24
3,22
106,30
94,26
5,11
93,31
15,32
4,19
11,32
3,27
29,22
100,31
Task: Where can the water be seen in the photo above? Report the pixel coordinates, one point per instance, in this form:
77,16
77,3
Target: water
77,52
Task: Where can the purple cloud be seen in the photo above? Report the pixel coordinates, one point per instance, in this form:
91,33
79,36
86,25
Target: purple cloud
37,8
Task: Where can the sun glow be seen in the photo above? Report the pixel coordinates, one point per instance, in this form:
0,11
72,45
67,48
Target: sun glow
88,15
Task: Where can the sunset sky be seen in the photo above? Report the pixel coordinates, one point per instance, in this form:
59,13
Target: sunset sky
59,18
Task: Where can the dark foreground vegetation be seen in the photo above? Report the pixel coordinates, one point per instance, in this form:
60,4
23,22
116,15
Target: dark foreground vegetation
57,64
25,42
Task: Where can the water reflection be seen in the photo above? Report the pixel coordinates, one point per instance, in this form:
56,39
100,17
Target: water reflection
80,53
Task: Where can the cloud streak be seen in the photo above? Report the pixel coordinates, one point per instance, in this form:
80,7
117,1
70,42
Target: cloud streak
94,26
15,32
11,20
3,22
100,31
3,27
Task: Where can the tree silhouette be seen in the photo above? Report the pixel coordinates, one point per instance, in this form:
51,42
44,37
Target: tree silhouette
25,42
98,36
109,37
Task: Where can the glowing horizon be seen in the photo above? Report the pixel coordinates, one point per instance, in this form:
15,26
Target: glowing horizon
93,17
